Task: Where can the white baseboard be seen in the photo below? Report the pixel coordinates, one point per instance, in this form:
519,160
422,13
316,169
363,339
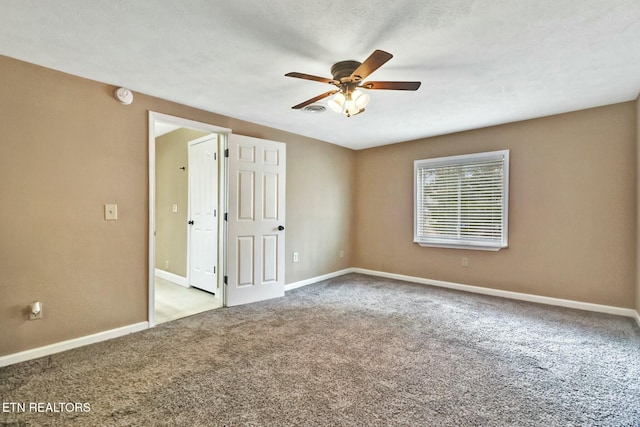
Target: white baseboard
618,311
70,344
317,279
171,277
125,330
627,312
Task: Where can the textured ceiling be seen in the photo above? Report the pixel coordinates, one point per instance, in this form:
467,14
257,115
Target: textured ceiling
481,63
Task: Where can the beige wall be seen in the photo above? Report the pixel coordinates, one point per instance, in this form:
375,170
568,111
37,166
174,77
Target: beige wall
319,209
67,148
172,188
572,208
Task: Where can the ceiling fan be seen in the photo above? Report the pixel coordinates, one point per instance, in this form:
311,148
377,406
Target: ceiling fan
348,77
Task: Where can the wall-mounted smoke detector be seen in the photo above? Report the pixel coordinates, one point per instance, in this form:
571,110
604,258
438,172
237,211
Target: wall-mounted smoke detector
314,108
125,96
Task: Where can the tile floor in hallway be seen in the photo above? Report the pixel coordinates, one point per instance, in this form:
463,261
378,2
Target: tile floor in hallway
173,301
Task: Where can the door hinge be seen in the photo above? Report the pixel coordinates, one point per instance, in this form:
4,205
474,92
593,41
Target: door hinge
226,280
226,152
226,216
214,269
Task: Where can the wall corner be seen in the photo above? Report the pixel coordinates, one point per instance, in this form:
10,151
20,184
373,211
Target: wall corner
638,206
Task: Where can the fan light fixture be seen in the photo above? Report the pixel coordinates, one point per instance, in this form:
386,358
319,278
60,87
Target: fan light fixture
350,104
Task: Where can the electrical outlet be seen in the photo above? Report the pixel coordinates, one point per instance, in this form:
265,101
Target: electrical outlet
295,257
465,261
35,311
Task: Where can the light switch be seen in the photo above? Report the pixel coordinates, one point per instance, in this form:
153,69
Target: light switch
110,211
174,208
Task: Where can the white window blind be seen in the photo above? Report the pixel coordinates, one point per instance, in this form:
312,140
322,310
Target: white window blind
462,201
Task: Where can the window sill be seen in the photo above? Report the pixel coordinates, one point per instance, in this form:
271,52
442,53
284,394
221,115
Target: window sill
470,246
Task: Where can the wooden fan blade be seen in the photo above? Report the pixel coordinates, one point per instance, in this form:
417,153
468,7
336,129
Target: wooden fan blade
310,77
392,85
372,63
312,100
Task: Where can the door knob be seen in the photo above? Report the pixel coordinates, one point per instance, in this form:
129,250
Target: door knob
191,222
280,227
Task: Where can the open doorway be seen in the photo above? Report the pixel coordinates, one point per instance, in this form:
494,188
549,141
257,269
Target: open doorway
172,293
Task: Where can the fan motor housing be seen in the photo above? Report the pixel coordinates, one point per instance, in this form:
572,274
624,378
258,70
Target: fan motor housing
343,69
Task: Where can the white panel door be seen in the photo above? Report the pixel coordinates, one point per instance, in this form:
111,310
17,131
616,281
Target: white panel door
203,213
255,262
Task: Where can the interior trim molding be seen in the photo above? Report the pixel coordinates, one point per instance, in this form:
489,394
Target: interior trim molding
172,277
58,347
154,116
47,350
317,279
599,308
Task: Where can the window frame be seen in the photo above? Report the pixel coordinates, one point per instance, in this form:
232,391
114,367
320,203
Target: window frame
461,161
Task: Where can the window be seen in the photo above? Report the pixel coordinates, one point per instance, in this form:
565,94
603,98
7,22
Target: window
461,201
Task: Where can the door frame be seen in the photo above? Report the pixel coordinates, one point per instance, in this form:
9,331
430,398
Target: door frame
223,144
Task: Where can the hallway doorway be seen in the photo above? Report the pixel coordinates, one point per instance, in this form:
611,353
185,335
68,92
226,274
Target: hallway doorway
171,293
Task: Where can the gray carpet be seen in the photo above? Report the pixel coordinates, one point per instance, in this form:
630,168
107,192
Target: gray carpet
355,350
